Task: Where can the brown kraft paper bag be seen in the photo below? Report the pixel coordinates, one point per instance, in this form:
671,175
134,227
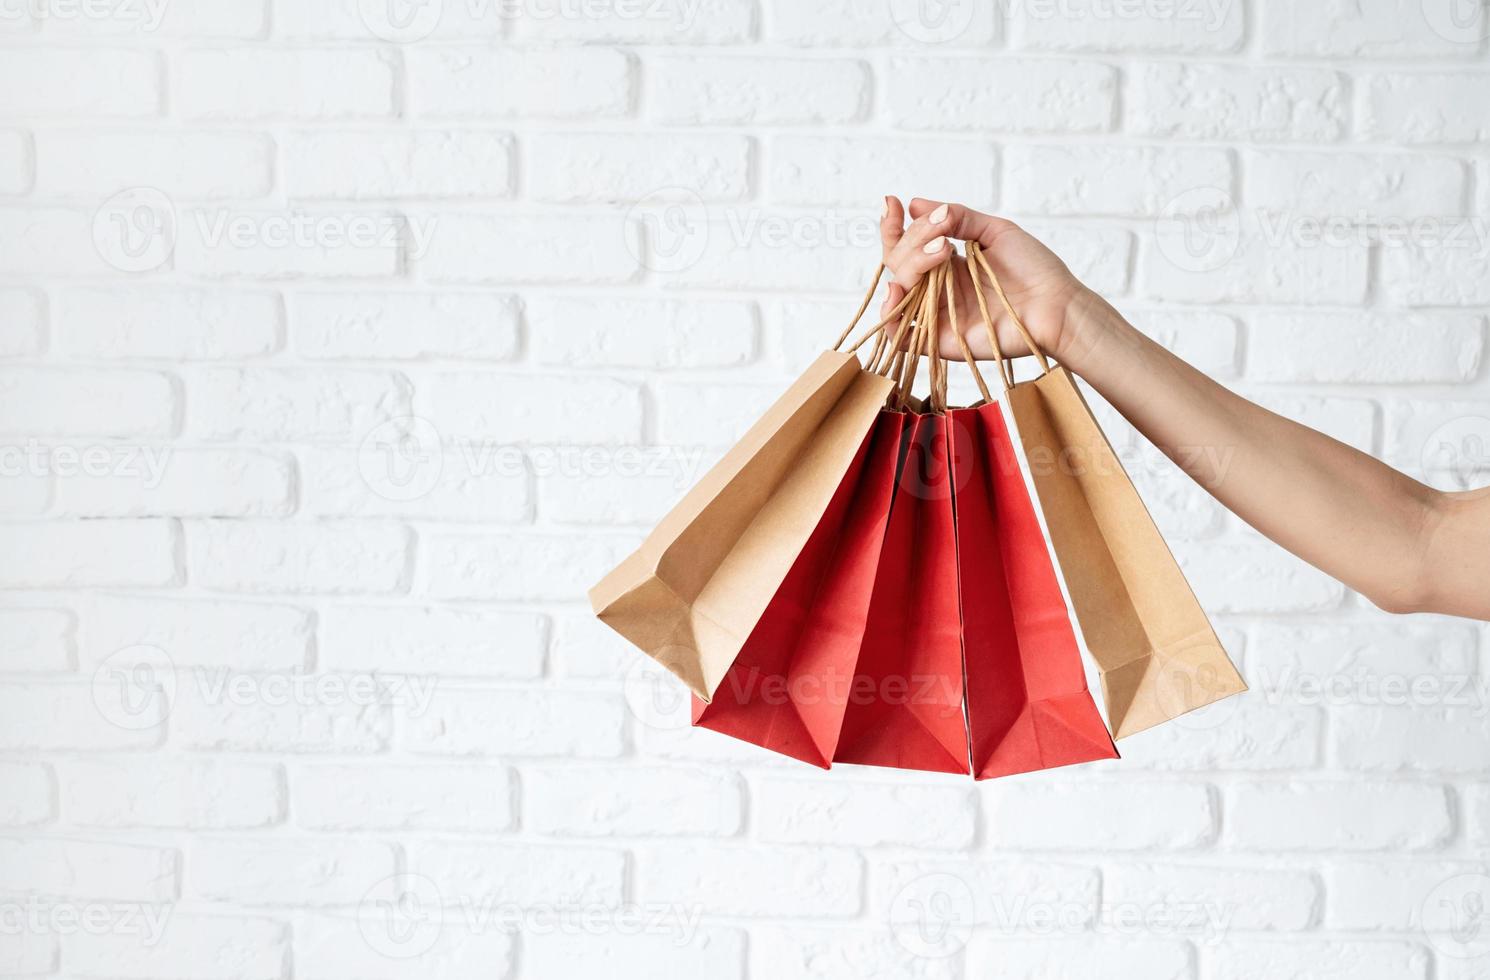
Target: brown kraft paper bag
694,590
1158,654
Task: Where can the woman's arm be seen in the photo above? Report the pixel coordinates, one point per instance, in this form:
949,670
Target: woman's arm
1405,546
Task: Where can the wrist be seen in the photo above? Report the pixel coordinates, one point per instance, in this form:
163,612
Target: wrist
1089,320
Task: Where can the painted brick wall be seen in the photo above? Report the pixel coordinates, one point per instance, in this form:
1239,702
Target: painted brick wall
343,344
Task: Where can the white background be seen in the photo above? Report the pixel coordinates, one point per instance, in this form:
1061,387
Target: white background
584,244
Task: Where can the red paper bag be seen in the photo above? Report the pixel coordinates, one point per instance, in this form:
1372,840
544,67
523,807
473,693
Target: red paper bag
788,688
905,708
1027,700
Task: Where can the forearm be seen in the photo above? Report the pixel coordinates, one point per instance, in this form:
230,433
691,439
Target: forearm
1337,508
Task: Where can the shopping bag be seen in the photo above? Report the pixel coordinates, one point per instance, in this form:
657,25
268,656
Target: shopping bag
690,595
789,686
692,592
905,707
905,703
1027,700
1158,654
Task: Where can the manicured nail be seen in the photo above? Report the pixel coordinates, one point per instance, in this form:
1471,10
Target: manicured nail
935,245
886,212
939,215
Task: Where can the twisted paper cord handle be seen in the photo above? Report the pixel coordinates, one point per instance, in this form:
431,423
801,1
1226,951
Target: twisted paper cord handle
976,252
935,365
917,313
967,354
910,358
890,348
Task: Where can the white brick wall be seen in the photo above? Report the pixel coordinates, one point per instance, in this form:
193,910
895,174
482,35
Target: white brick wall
340,352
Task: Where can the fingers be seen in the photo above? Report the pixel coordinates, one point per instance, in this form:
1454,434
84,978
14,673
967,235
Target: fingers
963,222
911,251
921,247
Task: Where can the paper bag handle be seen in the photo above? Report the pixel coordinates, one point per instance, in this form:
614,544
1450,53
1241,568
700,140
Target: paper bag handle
874,286
977,261
908,359
924,342
887,357
967,354
918,312
907,303
938,367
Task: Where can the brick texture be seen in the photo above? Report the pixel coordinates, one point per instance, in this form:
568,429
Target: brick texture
345,343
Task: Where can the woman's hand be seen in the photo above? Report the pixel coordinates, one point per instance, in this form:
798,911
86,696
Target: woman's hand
1039,286
1405,547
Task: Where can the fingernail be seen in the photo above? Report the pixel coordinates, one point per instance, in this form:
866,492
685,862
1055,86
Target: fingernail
886,212
939,215
935,245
